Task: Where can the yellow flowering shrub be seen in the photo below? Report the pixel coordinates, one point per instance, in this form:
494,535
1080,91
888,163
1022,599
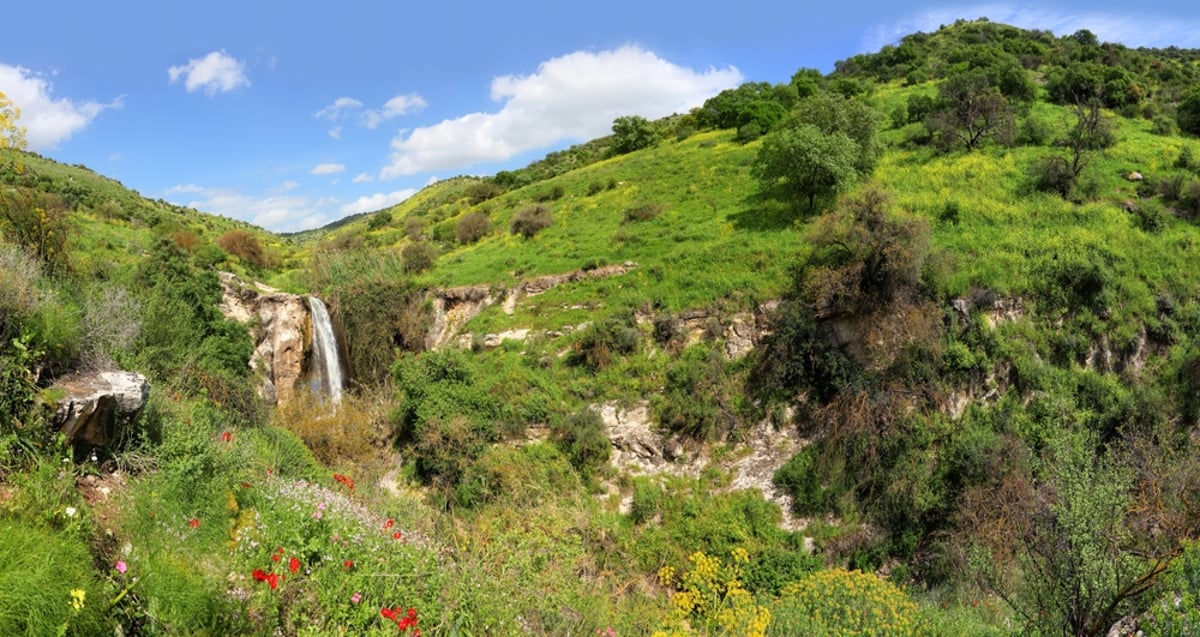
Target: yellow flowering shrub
709,599
837,602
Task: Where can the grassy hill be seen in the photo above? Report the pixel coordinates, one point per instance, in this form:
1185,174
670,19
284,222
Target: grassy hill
989,372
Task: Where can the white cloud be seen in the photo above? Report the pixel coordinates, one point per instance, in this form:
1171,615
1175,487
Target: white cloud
335,110
1143,28
377,201
48,121
275,210
217,72
573,97
362,178
328,169
336,132
395,107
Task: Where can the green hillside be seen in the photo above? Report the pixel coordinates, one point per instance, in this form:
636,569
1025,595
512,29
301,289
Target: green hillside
969,265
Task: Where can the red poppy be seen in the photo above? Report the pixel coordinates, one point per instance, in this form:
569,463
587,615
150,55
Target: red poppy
226,436
397,535
259,575
245,485
294,565
193,523
388,613
389,523
348,564
275,557
273,580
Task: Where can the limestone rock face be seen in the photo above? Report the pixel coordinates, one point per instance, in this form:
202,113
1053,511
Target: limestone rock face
279,323
97,404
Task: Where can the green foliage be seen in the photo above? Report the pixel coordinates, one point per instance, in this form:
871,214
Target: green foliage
810,163
701,397
379,317
1188,113
48,584
755,103
643,212
379,220
631,133
581,438
38,222
1177,613
472,227
603,340
832,114
532,220
970,110
418,257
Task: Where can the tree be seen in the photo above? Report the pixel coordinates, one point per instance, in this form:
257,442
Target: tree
631,133
1091,132
970,110
1188,114
831,113
810,163
11,135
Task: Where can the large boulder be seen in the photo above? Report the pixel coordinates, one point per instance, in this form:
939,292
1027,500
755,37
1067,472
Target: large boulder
95,406
279,323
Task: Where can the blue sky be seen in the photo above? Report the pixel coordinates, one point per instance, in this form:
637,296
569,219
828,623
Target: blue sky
292,115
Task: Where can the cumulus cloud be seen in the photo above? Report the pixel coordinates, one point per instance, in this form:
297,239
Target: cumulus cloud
274,210
377,201
217,72
573,97
328,169
1143,28
395,107
48,121
363,178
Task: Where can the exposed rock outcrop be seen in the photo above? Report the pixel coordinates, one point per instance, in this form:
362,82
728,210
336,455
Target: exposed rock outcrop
96,405
452,308
280,325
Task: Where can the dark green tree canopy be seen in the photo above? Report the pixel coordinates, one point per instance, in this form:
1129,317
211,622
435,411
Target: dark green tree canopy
632,132
831,114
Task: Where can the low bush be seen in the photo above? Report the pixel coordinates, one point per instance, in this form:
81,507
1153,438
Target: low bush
472,227
830,603
643,212
581,438
244,246
603,340
418,257
532,220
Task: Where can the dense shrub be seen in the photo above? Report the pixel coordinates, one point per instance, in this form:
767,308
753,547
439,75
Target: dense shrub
632,133
701,397
244,246
418,257
553,194
380,316
472,227
603,340
482,191
581,438
38,222
379,220
532,220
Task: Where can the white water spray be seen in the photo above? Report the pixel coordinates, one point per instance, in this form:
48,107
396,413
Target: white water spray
325,351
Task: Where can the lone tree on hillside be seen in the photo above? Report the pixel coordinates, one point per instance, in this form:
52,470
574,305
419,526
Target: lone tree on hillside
810,163
1188,114
11,135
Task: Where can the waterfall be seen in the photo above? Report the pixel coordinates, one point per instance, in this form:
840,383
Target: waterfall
327,369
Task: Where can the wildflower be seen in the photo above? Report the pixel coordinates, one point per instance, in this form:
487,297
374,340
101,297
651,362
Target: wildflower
121,567
226,436
348,564
389,523
273,580
356,597
397,535
259,575
77,597
245,485
194,522
294,565
317,515
275,557
70,511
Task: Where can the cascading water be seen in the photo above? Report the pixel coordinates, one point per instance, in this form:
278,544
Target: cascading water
327,370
